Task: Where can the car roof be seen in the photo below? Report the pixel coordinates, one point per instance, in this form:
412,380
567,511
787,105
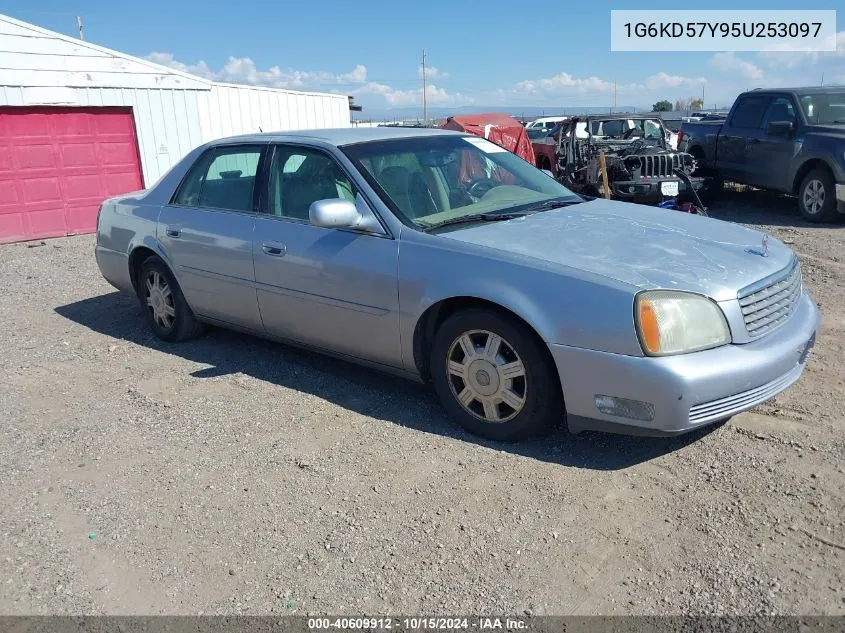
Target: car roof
812,89
612,117
343,136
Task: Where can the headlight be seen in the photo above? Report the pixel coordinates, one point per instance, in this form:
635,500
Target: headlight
671,322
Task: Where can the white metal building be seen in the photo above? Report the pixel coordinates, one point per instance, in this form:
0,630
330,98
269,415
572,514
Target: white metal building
79,122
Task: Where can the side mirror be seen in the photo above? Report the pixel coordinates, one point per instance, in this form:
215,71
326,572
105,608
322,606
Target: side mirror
781,128
337,213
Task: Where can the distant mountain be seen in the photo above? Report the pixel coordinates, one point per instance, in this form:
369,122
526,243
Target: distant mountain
414,113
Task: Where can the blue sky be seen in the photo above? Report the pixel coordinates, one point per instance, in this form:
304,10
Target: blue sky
493,53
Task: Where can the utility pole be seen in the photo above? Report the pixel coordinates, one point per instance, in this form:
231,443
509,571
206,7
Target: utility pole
425,102
79,27
614,94
702,96
822,83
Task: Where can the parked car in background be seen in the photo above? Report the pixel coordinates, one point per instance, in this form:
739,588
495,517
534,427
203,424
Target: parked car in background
545,124
695,116
546,149
441,256
500,128
641,164
789,140
538,133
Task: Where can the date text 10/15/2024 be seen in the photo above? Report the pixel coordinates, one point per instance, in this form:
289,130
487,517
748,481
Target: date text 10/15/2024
417,623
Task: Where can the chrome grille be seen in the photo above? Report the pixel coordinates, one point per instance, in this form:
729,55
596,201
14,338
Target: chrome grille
726,407
767,304
660,165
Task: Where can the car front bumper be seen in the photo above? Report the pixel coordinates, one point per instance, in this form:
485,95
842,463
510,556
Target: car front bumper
650,189
686,391
840,198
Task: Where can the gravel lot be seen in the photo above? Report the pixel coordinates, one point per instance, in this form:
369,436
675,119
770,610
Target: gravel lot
232,475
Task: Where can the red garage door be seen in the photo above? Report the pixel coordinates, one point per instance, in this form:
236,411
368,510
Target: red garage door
58,164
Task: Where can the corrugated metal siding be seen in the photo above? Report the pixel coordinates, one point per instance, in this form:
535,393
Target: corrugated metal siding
31,56
11,95
166,122
226,110
170,123
173,112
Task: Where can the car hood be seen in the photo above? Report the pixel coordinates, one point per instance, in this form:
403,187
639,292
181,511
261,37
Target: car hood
827,130
643,246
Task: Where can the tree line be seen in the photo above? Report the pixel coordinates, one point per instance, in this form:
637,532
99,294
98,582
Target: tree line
680,105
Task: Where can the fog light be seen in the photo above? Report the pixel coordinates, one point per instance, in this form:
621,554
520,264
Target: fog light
632,189
625,408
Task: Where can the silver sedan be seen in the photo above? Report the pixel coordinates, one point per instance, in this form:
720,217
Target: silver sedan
442,257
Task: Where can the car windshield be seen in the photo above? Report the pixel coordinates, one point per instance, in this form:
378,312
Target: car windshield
825,108
538,132
429,180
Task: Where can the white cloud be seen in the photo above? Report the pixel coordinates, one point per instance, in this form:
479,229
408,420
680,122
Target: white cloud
242,70
432,72
730,62
797,58
394,97
563,83
665,80
167,59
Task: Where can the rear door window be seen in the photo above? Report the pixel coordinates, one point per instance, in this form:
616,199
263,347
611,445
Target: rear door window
223,178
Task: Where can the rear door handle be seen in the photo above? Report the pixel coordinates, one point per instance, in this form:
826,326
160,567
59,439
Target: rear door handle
173,231
276,249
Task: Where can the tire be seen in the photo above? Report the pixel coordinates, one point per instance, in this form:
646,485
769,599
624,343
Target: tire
817,196
532,399
715,188
173,321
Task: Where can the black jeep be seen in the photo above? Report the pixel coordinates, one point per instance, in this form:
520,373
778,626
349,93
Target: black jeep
632,151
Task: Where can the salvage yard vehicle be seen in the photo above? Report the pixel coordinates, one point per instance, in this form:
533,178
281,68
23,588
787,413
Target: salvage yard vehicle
625,157
441,256
789,140
546,124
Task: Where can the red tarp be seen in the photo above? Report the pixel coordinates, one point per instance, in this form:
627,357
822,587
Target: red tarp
499,128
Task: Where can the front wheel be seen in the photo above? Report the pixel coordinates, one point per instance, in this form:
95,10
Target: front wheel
493,377
714,189
817,196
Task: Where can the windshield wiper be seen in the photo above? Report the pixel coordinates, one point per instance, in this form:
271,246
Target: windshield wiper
477,217
546,205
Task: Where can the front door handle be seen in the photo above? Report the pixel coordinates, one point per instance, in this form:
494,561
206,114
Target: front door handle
173,231
753,141
276,249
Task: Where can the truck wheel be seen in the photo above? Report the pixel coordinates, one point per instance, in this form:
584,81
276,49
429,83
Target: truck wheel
817,196
716,187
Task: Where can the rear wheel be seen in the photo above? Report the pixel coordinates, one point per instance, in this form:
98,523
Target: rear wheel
817,196
714,189
493,377
163,304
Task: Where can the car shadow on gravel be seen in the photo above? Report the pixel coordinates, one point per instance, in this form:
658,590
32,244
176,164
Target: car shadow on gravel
763,208
364,391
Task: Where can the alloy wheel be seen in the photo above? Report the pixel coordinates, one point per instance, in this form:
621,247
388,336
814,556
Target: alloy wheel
487,376
814,197
159,299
